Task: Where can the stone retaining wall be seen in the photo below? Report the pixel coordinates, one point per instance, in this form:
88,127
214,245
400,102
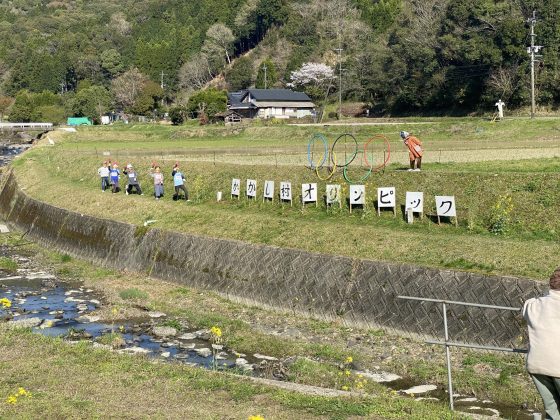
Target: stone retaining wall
355,291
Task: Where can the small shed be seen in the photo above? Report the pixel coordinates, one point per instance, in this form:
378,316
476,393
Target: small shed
228,117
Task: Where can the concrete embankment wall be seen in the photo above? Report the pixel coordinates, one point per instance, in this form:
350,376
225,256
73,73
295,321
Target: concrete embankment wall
354,291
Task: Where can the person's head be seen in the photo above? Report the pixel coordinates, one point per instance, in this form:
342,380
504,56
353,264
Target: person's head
555,280
404,134
115,165
104,163
157,169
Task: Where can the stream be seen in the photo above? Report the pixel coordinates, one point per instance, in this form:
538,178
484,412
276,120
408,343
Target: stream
61,309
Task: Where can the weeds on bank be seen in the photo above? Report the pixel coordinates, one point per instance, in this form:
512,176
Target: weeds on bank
133,294
8,264
500,215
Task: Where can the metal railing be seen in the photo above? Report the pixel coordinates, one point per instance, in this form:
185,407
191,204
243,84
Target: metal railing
449,344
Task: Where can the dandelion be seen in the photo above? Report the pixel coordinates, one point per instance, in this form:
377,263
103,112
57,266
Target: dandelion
345,388
256,418
23,392
12,399
216,332
6,303
347,372
349,359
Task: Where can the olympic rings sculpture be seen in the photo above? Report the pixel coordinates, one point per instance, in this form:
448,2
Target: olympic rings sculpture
329,155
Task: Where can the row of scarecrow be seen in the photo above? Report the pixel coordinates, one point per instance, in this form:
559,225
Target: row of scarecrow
386,196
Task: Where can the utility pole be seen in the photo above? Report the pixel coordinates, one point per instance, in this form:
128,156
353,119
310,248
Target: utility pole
339,51
264,69
162,87
531,51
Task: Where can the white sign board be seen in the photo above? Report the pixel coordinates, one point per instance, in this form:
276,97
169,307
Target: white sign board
309,193
268,191
333,193
415,201
445,206
357,195
386,197
286,191
251,188
235,187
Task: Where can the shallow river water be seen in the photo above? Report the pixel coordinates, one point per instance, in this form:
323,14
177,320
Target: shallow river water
60,309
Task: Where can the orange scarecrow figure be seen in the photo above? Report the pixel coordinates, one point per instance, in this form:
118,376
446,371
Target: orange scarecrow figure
414,150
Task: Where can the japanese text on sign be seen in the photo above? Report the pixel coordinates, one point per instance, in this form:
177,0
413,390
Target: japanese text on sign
415,201
286,191
235,187
251,188
445,206
268,191
386,197
309,193
357,195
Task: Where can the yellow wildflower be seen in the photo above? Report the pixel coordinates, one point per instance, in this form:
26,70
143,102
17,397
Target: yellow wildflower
22,391
12,399
345,388
256,418
6,303
216,331
349,359
121,328
347,372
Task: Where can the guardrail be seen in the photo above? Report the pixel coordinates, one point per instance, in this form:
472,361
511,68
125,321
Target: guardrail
25,126
449,344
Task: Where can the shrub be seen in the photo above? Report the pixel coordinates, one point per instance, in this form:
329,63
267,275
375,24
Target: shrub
177,115
500,216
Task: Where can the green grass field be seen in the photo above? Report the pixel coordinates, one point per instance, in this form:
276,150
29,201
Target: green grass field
521,241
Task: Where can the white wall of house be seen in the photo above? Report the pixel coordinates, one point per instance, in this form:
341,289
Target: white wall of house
281,112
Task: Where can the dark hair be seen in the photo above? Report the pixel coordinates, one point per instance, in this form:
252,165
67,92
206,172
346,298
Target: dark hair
555,280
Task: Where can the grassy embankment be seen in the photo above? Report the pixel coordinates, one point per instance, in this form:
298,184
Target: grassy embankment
78,380
491,238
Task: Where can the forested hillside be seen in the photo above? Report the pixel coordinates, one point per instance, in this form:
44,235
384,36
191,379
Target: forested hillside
400,56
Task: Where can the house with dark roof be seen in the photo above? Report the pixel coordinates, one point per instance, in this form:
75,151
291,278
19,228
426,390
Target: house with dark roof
270,103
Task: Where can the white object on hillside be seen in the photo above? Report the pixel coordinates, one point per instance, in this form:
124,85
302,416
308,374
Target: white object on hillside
149,222
500,106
